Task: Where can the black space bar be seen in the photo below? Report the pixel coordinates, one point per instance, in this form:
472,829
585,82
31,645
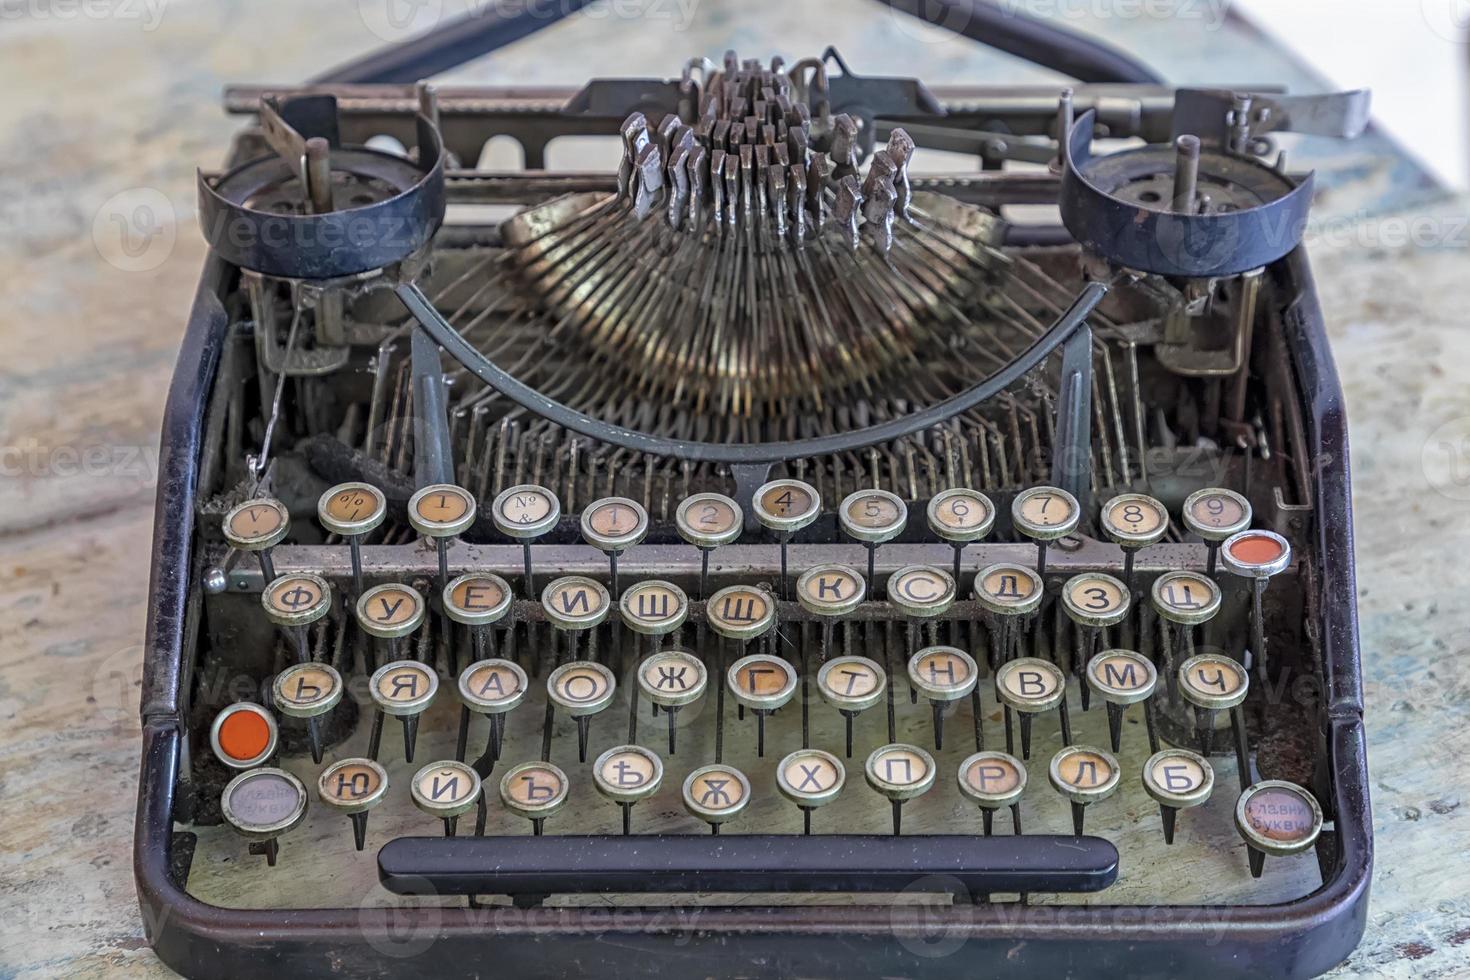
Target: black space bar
553,865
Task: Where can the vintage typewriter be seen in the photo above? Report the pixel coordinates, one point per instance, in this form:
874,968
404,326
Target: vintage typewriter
760,556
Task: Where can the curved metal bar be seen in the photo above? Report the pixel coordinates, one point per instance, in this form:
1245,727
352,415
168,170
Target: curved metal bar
528,398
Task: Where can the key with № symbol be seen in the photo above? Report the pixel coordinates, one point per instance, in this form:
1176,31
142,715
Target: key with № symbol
612,525
243,735
525,513
1214,514
653,609
261,805
352,511
353,787
492,688
901,773
873,517
761,682
1278,818
1184,600
715,794
390,612
447,790
581,688
1031,686
626,774
1133,521
671,679
707,521
534,790
402,689
827,592
785,507
575,604
994,781
1177,779
1121,678
851,685
1084,775
1214,683
308,691
810,778
440,512
258,525
1094,602
943,675
1045,514
294,602
961,516
1010,595
1258,556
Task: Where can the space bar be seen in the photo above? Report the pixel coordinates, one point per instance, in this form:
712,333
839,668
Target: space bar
557,865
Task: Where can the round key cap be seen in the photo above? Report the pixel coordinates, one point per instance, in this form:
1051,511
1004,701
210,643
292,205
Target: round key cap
1134,520
810,778
627,773
534,790
1256,554
1213,682
741,612
477,599
403,688
1045,513
525,511
762,682
446,790
1279,818
296,600
492,687
441,510
961,515
873,516
851,683
352,509
716,793
1095,600
1178,778
1030,684
1122,676
390,611
787,506
830,590
614,523
1009,590
1214,513
709,520
900,772
672,678
353,787
262,804
654,608
921,592
1084,775
582,687
243,735
1185,598
943,673
307,690
992,780
258,524
575,602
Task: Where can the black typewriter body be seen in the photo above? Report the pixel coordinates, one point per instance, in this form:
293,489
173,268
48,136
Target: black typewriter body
955,351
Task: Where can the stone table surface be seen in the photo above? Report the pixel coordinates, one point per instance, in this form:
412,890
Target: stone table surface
113,105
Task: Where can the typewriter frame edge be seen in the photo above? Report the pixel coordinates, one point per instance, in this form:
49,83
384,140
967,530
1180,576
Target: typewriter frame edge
1301,938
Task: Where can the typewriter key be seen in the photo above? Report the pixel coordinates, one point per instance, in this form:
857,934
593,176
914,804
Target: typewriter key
943,675
1215,683
353,787
492,688
1184,600
1257,555
1045,514
478,601
993,780
672,679
534,790
851,685
1177,779
574,603
525,513
810,778
761,682
900,772
1121,678
654,608
1214,514
1094,602
258,525
626,774
830,591
715,794
1030,686
612,525
873,517
920,592
403,689
352,510
1010,594
1276,817
294,602
308,691
439,512
243,735
263,804
708,520
582,688
960,516
741,612
390,612
446,790
1083,775
1134,521
785,507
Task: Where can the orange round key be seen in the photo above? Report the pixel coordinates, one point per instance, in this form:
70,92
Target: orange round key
244,735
